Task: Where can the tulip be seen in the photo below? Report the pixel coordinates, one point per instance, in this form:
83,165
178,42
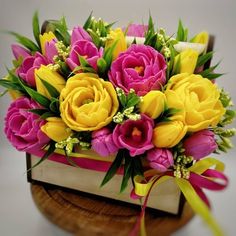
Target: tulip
19,51
202,37
78,33
160,159
187,61
168,134
52,77
153,104
56,129
102,142
136,30
117,36
46,37
200,144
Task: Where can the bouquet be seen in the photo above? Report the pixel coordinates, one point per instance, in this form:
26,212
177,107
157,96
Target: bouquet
149,99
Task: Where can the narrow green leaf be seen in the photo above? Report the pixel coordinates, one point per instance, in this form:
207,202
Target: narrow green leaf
209,70
150,24
3,93
52,91
54,106
38,112
50,150
127,173
204,58
47,114
88,21
137,166
36,28
108,54
102,66
83,62
180,32
69,160
213,76
133,101
10,85
114,167
25,41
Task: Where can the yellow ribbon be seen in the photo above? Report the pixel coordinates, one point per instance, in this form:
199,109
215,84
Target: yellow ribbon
142,189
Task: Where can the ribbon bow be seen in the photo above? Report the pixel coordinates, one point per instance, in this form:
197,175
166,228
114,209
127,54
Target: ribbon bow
206,173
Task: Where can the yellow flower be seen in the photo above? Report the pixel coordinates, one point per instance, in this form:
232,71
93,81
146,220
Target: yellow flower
51,77
199,98
46,37
202,37
153,104
88,102
117,36
168,134
56,129
188,60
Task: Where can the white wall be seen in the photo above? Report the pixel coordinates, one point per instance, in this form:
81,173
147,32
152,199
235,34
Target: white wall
218,17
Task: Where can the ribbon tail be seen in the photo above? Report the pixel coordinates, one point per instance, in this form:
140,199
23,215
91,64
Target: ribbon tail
198,205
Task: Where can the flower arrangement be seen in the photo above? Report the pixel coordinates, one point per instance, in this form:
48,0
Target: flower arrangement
148,98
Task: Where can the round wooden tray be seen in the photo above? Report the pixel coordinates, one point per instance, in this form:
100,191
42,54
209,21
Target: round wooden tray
88,216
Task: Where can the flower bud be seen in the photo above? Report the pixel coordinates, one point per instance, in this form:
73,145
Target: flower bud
200,144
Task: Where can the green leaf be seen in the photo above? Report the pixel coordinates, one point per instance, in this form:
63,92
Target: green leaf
114,167
127,173
83,61
88,21
54,106
137,167
176,67
209,70
3,93
102,66
47,114
134,100
36,28
52,91
69,160
182,34
10,85
38,112
213,76
108,54
204,58
50,150
25,41
150,24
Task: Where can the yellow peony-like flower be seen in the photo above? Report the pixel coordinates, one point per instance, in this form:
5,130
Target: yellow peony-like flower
51,77
153,104
188,60
199,98
117,36
56,129
46,37
168,134
87,102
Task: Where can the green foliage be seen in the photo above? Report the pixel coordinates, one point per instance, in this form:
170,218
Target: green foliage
52,91
209,73
36,28
182,33
204,58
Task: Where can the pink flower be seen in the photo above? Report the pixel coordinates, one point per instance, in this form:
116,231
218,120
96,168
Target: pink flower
140,67
78,33
136,30
160,159
29,64
50,50
136,136
22,128
19,51
102,142
200,144
86,49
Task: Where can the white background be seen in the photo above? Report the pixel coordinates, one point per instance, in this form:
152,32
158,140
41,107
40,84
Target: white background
18,214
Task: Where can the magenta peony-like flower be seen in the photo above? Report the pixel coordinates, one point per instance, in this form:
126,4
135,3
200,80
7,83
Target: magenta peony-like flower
86,49
102,142
19,51
200,144
136,136
141,68
160,159
78,33
136,30
22,127
29,64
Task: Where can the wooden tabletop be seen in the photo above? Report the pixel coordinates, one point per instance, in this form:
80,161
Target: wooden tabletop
86,215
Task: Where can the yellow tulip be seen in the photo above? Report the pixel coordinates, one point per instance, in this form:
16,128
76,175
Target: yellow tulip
46,37
188,60
153,104
50,76
168,134
117,36
202,37
87,102
56,129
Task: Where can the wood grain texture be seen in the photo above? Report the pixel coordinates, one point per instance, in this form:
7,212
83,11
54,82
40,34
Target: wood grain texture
90,216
